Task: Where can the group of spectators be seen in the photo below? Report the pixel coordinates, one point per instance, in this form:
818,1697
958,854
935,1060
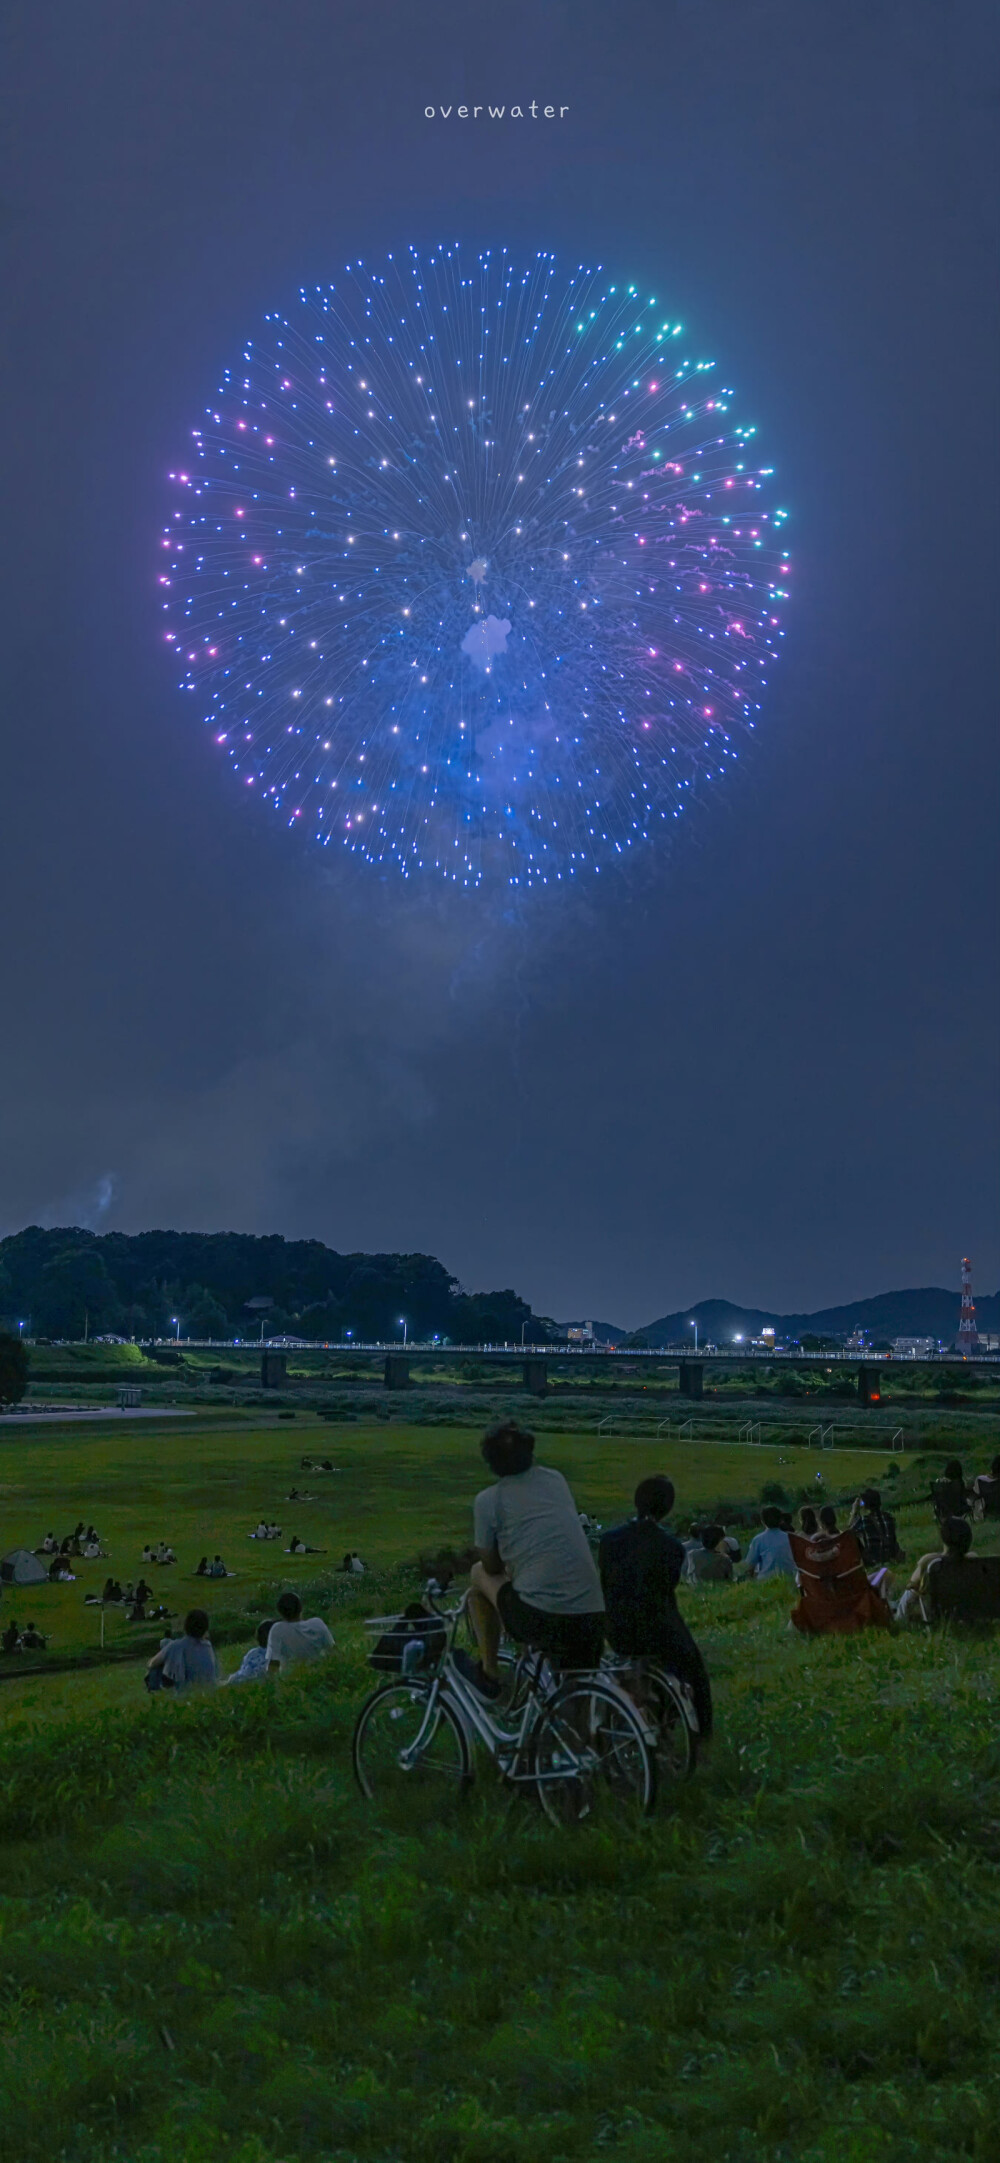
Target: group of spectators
189,1662
536,1576
83,1540
215,1568
137,1600
161,1554
29,1639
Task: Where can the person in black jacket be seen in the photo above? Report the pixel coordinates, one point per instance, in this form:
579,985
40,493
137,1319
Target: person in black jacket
640,1565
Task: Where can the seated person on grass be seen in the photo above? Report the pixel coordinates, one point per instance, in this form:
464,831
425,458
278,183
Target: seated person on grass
253,1666
986,1488
769,1554
11,1639
875,1531
535,1575
709,1564
950,1496
291,1640
301,1547
32,1639
189,1662
217,1567
50,1545
640,1564
202,1569
59,1570
828,1520
956,1534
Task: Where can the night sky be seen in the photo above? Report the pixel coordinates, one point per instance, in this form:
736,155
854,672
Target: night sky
765,1066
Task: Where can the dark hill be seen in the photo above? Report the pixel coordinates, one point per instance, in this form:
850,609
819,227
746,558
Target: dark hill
928,1312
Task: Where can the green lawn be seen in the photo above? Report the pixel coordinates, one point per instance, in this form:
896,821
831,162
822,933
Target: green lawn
203,1485
211,1948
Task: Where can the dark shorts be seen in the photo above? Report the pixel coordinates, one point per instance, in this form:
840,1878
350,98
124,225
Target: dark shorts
566,1640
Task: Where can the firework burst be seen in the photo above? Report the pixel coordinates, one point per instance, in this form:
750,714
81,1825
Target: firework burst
471,571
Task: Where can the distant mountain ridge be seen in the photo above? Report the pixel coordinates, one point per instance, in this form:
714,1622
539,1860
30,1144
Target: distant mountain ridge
928,1312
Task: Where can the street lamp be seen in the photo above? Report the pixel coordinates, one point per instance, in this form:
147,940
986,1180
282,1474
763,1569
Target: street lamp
694,1326
176,1320
402,1325
523,1328
737,1340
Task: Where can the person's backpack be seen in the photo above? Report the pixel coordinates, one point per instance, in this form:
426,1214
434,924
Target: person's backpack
417,1626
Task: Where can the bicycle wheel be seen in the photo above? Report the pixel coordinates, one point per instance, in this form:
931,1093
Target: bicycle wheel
676,1742
591,1758
404,1742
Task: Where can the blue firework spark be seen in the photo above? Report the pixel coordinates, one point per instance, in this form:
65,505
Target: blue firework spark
471,572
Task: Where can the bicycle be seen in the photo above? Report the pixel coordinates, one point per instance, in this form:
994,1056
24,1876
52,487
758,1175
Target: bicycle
578,1739
667,1705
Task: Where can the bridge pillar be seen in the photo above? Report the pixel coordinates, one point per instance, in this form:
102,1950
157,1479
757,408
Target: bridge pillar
869,1386
273,1370
536,1376
691,1378
397,1371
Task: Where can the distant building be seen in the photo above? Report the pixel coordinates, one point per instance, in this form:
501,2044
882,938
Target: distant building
580,1333
914,1347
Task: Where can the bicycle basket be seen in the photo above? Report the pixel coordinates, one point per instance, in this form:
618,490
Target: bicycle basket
408,1643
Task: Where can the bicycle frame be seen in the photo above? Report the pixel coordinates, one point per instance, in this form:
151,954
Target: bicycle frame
508,1747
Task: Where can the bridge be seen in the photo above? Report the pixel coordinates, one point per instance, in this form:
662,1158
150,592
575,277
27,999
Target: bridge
537,1362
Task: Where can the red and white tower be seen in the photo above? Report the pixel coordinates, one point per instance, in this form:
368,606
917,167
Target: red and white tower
968,1338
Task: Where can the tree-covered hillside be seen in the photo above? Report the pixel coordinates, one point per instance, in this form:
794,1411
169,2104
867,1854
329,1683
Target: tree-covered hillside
68,1282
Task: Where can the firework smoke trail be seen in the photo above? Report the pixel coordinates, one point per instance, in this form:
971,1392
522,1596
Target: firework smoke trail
472,573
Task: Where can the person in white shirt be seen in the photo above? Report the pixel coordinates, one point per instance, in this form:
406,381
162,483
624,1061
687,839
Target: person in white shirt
292,1640
769,1553
535,1574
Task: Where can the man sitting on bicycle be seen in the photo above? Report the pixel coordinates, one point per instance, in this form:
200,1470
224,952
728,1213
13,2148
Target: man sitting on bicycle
535,1576
641,1563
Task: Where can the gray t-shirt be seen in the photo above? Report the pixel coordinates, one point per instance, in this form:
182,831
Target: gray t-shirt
291,1642
531,1518
191,1664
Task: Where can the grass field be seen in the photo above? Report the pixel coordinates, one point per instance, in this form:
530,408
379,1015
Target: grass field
394,1493
211,1947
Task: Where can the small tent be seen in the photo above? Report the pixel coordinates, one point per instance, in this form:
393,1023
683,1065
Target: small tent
22,1568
